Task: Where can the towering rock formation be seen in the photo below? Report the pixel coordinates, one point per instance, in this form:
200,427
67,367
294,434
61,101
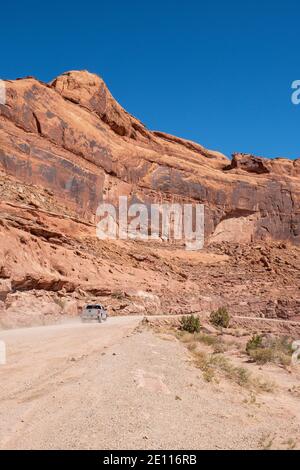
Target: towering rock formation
72,137
66,146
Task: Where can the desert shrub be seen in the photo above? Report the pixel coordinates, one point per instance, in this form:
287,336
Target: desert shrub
220,317
262,355
269,349
190,324
283,358
254,343
284,344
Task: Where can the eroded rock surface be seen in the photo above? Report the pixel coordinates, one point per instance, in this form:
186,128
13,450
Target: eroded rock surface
67,145
73,138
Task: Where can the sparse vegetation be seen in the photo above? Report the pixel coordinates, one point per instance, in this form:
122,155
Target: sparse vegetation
266,441
202,360
207,350
290,443
190,324
209,340
238,375
251,400
267,349
254,343
219,346
215,363
210,364
185,337
220,318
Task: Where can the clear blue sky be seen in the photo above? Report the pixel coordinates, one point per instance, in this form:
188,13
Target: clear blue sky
217,72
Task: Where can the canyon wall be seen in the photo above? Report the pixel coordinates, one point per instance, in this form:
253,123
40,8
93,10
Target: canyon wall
72,137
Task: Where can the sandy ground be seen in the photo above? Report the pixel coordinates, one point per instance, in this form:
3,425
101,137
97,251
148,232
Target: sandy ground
116,386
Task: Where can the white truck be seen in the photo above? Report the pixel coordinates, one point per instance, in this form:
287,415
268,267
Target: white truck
93,312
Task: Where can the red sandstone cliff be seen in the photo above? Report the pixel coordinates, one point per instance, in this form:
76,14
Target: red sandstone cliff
65,145
74,138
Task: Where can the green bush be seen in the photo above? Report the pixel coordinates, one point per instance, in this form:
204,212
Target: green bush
190,324
254,343
220,317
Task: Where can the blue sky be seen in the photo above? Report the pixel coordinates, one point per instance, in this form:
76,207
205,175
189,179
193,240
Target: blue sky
217,72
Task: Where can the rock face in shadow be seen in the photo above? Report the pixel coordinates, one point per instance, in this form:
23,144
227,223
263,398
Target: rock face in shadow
73,138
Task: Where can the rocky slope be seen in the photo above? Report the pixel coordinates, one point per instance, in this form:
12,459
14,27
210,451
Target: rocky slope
67,145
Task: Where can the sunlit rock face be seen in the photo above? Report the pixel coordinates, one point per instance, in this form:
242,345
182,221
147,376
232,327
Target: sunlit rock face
72,137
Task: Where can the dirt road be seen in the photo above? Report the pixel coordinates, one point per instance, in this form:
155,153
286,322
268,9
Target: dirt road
115,386
41,362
